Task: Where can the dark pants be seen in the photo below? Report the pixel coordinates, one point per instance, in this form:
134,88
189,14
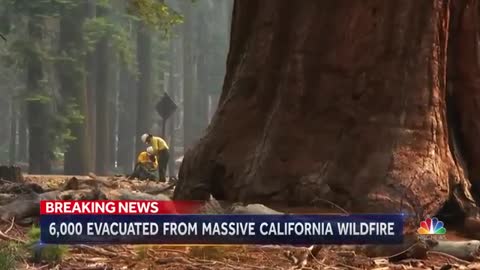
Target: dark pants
142,173
163,157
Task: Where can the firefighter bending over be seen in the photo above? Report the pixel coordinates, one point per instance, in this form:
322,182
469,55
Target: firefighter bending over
147,165
161,150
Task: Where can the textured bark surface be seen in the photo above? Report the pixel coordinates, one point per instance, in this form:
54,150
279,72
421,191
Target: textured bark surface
74,88
337,100
465,86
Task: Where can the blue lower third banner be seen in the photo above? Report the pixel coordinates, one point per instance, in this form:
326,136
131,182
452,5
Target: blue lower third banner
222,229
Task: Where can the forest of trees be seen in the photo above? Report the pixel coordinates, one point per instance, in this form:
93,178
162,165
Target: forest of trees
80,79
366,104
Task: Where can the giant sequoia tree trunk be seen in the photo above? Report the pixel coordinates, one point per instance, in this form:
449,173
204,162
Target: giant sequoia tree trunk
102,125
126,128
342,100
144,84
40,156
22,133
12,150
464,91
173,88
73,87
188,77
113,111
91,66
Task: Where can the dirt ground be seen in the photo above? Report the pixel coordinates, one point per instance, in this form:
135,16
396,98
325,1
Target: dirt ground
213,257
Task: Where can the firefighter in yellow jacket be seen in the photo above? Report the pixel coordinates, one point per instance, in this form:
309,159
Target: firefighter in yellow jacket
146,165
160,149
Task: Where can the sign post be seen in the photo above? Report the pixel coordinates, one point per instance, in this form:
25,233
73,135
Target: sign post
165,108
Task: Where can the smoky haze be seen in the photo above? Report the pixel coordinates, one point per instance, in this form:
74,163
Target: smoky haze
81,80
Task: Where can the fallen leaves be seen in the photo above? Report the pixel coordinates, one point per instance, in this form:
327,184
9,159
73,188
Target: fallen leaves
88,257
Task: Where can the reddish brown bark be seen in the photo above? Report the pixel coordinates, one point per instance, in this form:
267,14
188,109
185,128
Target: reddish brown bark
465,84
338,100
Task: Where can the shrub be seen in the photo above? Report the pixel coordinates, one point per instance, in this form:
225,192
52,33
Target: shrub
44,252
9,253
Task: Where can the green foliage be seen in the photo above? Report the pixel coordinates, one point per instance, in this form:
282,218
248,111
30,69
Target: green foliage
60,132
116,27
44,253
19,52
103,3
22,50
38,97
61,137
7,258
155,14
53,253
12,252
160,65
95,29
121,43
40,7
33,234
74,115
101,27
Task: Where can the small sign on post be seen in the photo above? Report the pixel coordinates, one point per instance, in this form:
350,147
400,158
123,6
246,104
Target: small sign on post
165,108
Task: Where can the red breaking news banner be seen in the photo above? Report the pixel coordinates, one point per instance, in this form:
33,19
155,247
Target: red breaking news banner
118,207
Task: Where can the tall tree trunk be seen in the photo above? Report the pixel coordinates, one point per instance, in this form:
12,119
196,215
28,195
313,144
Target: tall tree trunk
103,127
12,110
172,90
464,92
12,150
113,108
40,155
22,133
127,114
180,113
91,64
188,76
356,115
4,113
73,87
144,86
202,93
203,71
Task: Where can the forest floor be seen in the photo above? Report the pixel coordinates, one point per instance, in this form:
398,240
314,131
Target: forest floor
209,257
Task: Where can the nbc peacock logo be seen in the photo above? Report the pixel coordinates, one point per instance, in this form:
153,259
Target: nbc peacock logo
431,226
